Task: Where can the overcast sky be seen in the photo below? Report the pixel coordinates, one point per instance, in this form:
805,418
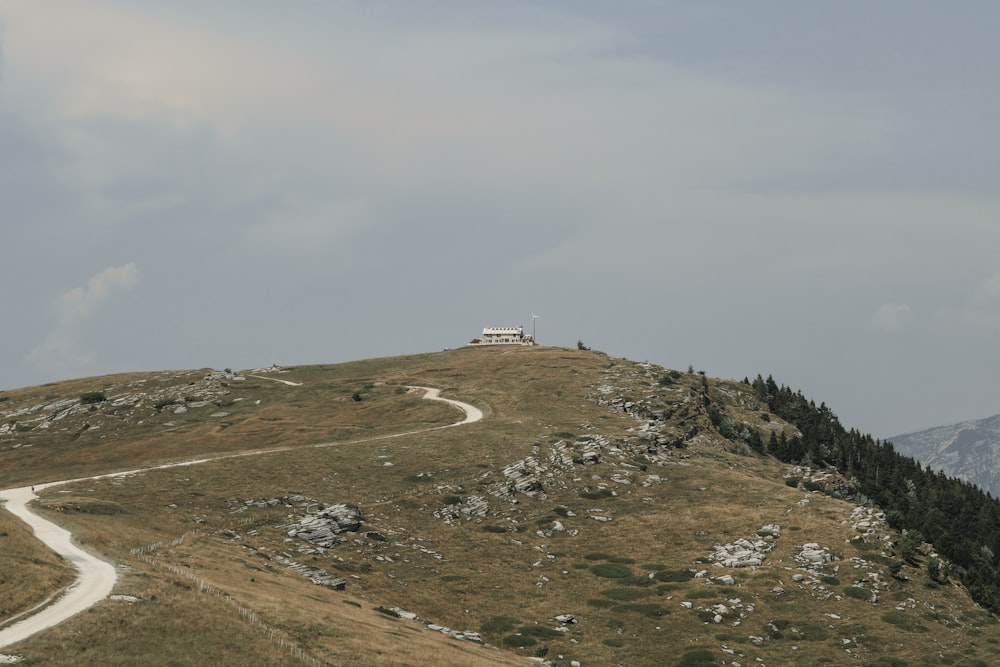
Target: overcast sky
801,189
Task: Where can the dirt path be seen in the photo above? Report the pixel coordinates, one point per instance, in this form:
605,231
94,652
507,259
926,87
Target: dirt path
95,577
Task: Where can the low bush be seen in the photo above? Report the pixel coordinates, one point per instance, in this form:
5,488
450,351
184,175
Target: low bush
625,594
611,570
519,641
600,603
697,657
498,624
90,397
540,632
650,610
904,621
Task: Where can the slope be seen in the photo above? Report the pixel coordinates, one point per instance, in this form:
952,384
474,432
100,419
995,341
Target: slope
597,514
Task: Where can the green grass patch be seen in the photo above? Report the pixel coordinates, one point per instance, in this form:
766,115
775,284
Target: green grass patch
519,641
624,594
614,642
697,657
622,560
498,625
649,610
703,594
540,632
600,603
904,621
611,570
637,580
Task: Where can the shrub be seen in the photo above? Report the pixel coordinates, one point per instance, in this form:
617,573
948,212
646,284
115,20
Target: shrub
615,642
498,624
598,555
622,560
159,405
650,610
674,575
540,631
697,657
903,621
637,580
519,641
89,397
856,593
624,594
601,603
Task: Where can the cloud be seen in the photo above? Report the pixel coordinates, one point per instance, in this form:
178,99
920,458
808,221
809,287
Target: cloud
62,348
982,308
988,293
891,317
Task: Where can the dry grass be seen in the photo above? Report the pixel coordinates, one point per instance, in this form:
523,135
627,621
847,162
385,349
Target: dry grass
29,573
464,576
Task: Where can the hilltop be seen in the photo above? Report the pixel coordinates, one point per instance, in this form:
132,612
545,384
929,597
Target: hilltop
603,512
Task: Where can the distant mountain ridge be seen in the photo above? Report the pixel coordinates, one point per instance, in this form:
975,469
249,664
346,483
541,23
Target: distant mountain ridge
968,450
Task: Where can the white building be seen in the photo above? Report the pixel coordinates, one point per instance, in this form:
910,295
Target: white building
503,336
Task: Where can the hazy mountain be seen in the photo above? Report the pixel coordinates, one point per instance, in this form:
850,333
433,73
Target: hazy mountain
969,450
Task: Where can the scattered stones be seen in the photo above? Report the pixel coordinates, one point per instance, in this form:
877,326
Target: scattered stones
467,635
317,575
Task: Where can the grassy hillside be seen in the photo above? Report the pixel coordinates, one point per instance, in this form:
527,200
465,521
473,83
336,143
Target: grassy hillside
595,488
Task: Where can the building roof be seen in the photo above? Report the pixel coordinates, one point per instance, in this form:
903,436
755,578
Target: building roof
503,330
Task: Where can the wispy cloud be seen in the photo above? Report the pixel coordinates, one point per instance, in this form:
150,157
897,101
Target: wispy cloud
62,348
891,317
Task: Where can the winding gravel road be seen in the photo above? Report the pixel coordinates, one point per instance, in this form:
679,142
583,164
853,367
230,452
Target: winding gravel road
95,577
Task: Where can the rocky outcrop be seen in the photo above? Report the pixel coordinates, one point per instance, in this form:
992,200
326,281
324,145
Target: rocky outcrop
746,552
323,526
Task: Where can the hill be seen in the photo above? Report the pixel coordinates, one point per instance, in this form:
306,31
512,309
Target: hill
603,512
969,450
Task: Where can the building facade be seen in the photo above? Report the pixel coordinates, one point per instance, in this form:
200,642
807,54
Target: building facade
503,336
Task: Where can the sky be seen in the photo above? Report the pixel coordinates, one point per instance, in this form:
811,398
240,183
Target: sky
798,189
